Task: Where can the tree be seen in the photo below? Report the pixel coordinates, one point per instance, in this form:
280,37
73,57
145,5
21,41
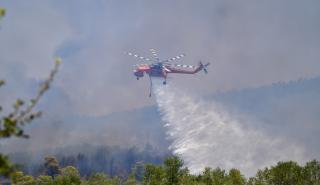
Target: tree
131,179
69,175
311,173
18,178
219,176
261,178
44,180
6,167
236,178
185,178
101,179
285,173
98,179
172,167
52,166
206,176
154,175
214,177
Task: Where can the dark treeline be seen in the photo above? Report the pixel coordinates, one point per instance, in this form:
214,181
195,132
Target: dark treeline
172,172
112,160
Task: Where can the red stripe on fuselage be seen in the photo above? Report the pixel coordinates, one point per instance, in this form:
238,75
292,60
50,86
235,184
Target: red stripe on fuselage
143,68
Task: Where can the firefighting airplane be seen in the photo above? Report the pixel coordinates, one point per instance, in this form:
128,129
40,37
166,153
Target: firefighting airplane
161,68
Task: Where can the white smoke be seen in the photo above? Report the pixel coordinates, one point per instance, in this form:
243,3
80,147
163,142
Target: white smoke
204,135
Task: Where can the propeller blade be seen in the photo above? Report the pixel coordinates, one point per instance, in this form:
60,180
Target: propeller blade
185,66
139,57
205,67
154,53
166,69
176,57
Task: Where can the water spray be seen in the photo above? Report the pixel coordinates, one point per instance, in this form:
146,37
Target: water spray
204,135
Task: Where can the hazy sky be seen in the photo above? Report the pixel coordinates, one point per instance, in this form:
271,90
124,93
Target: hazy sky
249,44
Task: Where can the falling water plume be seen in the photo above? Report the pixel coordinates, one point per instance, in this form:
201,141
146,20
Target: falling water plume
204,135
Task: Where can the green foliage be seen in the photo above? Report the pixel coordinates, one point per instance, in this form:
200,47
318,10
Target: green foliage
288,173
285,173
132,177
186,178
2,12
97,179
311,173
101,179
206,176
5,166
171,172
154,175
172,168
214,177
18,178
69,175
261,178
2,82
12,124
219,176
44,180
236,178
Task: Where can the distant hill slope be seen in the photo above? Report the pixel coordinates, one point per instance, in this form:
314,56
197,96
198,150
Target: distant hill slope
291,109
137,128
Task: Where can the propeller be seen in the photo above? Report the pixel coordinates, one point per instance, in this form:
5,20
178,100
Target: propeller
204,67
185,66
139,57
155,54
175,58
166,69
156,58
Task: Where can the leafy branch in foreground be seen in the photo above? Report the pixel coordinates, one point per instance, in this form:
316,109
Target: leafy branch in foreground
12,124
2,12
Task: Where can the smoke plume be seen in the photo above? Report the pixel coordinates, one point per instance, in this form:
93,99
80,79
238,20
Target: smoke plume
205,135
